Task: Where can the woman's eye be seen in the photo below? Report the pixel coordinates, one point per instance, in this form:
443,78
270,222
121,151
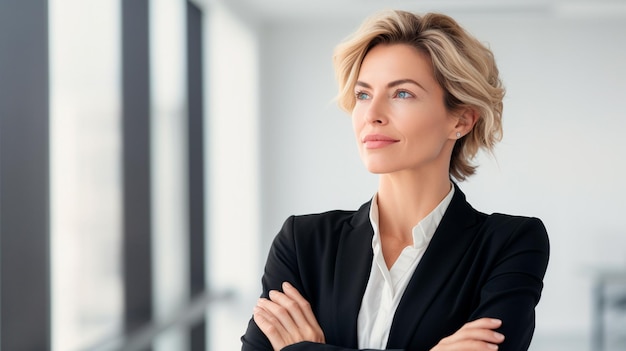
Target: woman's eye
361,95
404,95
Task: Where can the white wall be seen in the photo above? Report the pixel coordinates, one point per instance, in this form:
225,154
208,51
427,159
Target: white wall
168,130
562,157
309,157
85,173
233,173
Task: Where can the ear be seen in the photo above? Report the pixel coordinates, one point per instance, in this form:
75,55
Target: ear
465,122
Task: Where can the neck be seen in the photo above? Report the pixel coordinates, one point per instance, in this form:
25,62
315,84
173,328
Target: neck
405,198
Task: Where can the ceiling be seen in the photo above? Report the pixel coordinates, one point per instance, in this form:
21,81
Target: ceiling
268,10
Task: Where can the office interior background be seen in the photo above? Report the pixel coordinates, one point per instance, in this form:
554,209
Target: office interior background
151,149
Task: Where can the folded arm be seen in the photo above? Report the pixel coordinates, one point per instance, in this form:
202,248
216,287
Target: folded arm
289,323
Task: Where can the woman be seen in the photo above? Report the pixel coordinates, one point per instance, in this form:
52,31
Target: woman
416,268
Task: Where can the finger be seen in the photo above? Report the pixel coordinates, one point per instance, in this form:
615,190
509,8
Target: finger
486,323
296,305
304,305
474,334
270,326
466,345
290,305
280,312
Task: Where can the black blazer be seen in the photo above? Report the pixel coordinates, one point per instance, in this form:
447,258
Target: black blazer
476,265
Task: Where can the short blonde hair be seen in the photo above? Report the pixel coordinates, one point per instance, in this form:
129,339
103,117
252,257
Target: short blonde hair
463,67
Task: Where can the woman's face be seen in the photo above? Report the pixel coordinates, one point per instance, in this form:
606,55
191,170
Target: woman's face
400,121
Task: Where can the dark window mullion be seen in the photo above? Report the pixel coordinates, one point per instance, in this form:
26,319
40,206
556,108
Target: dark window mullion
198,340
137,231
24,176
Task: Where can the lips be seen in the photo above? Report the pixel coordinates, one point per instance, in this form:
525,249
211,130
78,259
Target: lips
377,141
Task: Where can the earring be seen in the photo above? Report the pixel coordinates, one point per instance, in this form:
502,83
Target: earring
458,134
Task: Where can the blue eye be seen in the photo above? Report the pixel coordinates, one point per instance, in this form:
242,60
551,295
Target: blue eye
361,95
404,95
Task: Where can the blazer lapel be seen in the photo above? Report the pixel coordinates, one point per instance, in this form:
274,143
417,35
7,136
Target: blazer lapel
452,237
354,261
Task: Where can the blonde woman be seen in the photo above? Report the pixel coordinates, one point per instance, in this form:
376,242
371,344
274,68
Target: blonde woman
416,268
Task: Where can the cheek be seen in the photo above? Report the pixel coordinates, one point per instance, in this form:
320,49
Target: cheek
427,134
423,127
357,122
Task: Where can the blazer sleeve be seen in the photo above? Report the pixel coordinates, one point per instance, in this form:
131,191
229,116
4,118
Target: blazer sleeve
514,284
282,265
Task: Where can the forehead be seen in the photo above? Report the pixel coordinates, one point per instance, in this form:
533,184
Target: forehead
388,62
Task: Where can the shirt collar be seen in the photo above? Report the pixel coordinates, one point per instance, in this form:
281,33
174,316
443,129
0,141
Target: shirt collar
422,231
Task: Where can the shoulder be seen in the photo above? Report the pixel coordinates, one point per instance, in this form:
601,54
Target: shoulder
516,231
329,219
494,232
319,223
323,219
512,223
323,228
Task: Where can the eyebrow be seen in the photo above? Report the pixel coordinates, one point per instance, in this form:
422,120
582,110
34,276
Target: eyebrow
392,84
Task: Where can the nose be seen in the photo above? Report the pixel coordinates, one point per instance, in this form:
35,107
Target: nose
377,111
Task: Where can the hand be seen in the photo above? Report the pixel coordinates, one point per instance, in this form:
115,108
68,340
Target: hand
287,318
478,335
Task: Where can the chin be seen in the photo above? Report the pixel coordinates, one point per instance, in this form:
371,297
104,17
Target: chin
379,169
384,164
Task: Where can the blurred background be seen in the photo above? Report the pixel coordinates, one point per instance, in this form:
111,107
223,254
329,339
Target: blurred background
151,149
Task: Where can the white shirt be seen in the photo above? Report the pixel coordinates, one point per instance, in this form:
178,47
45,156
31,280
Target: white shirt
385,287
